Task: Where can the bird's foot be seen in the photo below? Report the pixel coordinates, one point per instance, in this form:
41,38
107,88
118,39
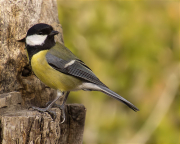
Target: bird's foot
63,116
52,113
62,108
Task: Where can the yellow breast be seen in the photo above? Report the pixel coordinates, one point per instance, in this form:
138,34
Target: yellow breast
50,76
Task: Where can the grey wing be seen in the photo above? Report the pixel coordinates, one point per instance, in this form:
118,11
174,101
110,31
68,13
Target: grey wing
73,67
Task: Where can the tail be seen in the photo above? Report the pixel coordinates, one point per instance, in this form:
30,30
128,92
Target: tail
118,97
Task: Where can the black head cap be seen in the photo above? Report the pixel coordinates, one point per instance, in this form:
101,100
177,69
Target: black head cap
41,29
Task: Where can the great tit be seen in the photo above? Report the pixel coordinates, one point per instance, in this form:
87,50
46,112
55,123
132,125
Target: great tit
56,66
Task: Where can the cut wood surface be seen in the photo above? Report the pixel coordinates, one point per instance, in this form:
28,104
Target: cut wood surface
32,127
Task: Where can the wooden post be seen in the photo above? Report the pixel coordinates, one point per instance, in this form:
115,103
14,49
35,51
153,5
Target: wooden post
19,87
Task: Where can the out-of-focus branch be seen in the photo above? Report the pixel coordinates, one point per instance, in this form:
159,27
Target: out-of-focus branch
160,109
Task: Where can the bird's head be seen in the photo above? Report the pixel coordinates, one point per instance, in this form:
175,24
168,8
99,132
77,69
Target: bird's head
39,37
40,34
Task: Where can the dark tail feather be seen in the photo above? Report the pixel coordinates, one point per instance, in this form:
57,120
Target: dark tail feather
118,97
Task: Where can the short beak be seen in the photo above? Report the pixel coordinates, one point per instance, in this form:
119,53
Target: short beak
53,33
22,40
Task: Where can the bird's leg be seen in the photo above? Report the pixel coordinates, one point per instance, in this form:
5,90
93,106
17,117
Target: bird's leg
62,107
59,94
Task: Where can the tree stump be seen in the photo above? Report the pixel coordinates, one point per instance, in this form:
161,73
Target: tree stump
32,127
20,88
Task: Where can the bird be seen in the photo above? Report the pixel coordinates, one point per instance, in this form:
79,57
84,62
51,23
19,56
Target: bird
57,67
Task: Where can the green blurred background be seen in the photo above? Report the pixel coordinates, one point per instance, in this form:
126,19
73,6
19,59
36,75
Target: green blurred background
134,48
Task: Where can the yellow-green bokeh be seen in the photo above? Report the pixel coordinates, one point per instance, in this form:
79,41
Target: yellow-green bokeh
132,47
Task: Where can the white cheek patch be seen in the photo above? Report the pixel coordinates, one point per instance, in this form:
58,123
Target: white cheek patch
35,39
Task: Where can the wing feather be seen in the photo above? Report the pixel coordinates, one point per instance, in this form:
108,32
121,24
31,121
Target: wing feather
77,69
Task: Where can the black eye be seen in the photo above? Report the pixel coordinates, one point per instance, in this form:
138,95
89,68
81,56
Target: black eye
40,33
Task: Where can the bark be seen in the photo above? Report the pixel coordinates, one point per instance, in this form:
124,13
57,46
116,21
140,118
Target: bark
20,88
32,127
16,17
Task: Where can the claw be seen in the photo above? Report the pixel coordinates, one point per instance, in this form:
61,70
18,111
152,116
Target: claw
63,120
50,104
62,108
52,113
39,109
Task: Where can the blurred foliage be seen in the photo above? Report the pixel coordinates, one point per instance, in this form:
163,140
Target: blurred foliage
132,47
